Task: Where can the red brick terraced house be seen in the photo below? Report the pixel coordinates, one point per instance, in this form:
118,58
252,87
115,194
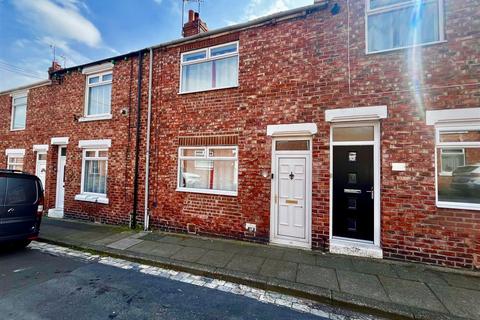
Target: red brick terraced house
351,126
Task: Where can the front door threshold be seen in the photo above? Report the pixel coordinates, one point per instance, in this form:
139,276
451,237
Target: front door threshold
55,213
354,248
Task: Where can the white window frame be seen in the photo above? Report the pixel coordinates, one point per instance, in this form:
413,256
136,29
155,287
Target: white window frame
92,196
16,96
15,155
457,145
445,151
206,157
100,116
208,58
406,4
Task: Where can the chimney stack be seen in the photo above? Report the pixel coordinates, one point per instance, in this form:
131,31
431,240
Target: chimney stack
55,67
194,25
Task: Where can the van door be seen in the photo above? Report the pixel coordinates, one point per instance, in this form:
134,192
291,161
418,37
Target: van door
21,200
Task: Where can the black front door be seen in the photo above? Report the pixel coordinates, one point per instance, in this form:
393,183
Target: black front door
353,208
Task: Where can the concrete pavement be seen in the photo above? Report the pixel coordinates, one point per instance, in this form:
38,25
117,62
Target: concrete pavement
396,288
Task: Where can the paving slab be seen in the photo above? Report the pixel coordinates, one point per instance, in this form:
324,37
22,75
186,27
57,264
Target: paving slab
459,301
268,252
114,237
460,280
317,276
300,256
335,261
279,269
419,273
216,258
246,263
190,254
154,248
367,284
171,239
411,293
373,267
124,243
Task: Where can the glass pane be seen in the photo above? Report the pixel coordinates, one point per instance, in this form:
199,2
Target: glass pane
197,77
403,27
194,56
93,80
21,191
383,3
209,174
89,154
223,152
226,72
353,133
95,177
460,136
463,185
3,188
19,116
63,152
452,159
20,100
292,145
42,156
99,99
200,152
107,77
103,154
223,50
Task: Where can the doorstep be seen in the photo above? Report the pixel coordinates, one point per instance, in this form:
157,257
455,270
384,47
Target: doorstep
385,287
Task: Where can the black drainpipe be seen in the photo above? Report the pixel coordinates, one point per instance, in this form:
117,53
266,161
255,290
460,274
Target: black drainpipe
133,220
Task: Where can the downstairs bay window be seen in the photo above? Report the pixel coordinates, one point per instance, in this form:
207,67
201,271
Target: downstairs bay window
211,170
458,167
209,68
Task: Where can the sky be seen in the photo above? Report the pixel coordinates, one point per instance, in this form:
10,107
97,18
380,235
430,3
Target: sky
87,30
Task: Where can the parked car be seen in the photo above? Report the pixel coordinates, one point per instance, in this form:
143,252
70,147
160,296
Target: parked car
467,179
21,207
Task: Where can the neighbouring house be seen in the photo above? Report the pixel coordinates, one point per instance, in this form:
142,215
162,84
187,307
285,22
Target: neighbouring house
350,126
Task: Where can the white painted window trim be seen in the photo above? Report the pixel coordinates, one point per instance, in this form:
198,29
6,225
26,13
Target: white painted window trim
17,152
99,116
91,196
453,117
209,58
443,126
294,129
356,114
98,144
16,95
360,246
441,23
59,141
307,244
206,157
108,66
40,148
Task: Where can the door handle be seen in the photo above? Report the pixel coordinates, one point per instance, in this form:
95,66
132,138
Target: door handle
10,210
370,191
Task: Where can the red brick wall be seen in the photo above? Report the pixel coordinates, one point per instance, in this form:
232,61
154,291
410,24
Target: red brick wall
292,72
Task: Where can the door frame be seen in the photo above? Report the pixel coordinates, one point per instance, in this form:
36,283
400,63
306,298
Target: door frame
356,246
308,192
38,153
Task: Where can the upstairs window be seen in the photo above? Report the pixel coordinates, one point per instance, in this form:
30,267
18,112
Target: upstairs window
19,112
99,94
209,68
395,24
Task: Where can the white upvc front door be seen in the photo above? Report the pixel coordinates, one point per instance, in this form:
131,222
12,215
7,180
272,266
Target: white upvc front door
291,196
41,167
57,212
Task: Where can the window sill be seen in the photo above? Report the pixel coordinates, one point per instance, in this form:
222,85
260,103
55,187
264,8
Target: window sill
92,198
445,174
205,191
406,47
95,118
458,205
19,129
207,90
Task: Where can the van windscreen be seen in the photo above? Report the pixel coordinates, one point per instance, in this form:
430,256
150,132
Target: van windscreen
3,186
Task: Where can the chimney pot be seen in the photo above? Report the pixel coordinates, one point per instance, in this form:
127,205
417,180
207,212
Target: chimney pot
194,25
191,15
55,67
